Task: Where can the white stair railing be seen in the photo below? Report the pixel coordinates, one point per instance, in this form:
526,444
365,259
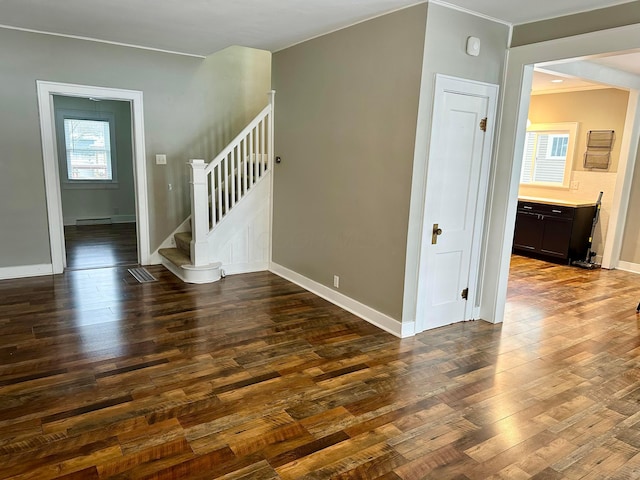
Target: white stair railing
218,186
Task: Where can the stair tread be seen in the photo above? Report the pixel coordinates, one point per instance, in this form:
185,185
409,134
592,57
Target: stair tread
175,256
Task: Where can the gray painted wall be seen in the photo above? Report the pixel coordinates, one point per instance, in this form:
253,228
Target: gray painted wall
88,203
346,113
570,25
192,108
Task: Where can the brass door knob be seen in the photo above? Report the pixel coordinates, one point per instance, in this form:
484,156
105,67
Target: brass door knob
435,233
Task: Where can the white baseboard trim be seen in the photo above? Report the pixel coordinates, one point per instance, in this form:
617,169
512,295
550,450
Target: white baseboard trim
123,218
24,271
361,310
73,221
407,329
245,268
81,222
155,258
628,267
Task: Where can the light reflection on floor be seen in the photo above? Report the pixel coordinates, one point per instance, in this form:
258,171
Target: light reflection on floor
93,256
97,311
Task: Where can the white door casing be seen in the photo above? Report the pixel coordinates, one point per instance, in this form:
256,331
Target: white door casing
455,199
508,162
46,90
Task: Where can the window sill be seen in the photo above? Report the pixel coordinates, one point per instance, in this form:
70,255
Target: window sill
545,185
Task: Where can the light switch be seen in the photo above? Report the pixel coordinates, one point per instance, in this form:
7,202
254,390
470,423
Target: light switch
161,159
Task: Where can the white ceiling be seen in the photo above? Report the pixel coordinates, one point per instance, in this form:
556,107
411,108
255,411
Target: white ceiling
627,62
198,27
546,82
201,27
545,77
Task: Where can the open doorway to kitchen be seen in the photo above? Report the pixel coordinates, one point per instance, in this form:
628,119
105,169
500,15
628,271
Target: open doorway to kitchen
562,175
595,95
508,162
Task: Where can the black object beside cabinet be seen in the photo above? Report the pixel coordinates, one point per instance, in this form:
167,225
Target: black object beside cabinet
556,231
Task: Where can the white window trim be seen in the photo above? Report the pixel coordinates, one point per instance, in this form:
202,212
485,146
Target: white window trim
551,128
69,183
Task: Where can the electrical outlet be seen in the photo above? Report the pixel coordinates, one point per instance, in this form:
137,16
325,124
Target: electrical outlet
336,281
574,185
161,159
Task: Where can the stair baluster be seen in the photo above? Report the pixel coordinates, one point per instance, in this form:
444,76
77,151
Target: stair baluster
217,187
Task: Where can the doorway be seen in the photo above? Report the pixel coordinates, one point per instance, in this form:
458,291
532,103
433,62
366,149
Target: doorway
511,147
47,92
563,107
594,106
95,155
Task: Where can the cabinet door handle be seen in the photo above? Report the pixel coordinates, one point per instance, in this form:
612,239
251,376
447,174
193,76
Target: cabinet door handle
526,207
556,211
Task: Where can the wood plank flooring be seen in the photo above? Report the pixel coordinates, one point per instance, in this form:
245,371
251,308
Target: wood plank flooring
255,378
96,246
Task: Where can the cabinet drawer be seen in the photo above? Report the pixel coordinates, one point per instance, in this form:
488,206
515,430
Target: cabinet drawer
557,211
528,206
544,209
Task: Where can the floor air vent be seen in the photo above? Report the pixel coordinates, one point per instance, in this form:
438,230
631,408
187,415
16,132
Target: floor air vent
142,275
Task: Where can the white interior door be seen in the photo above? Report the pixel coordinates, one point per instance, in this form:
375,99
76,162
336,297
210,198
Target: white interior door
457,177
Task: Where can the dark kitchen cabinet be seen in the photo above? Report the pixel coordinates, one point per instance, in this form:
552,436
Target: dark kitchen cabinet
528,234
553,231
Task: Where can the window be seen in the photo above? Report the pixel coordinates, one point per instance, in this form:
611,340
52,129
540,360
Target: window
558,146
88,146
548,154
86,149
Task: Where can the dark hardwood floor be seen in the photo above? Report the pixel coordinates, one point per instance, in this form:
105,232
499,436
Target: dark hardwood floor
254,378
96,246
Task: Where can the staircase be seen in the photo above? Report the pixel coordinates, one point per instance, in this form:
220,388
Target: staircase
230,208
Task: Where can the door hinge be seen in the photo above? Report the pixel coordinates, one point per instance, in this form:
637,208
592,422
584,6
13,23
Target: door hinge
483,124
465,294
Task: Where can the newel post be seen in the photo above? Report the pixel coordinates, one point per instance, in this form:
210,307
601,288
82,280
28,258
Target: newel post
199,213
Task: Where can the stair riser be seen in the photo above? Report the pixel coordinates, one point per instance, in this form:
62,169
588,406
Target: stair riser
183,245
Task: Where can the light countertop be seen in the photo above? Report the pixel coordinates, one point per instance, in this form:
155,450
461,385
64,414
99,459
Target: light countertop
555,201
